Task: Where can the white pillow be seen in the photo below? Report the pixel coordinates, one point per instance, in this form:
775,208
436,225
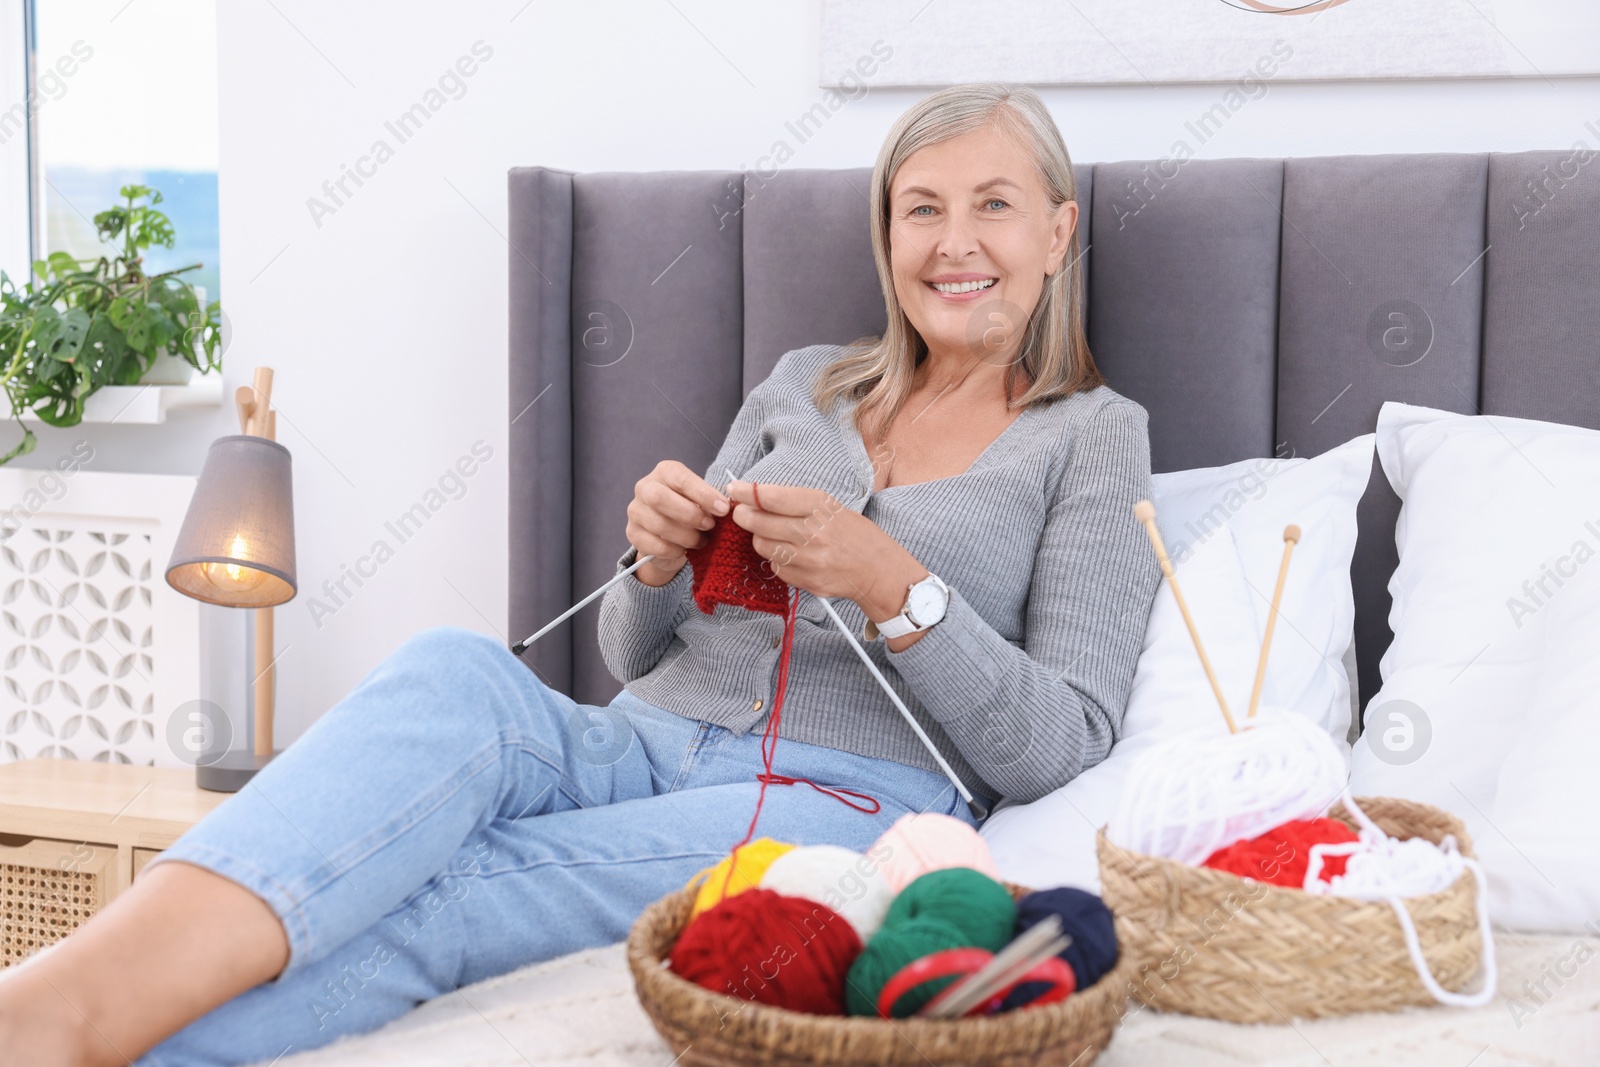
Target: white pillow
1223,527
1490,706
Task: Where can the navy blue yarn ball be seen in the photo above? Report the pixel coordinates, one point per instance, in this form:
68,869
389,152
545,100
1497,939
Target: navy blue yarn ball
1084,918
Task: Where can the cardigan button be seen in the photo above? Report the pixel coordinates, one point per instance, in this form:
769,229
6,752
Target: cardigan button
776,641
756,706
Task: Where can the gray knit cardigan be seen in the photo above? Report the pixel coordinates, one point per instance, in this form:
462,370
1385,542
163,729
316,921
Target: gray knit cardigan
1023,684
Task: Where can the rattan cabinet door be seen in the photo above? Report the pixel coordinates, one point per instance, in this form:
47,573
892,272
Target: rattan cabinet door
49,888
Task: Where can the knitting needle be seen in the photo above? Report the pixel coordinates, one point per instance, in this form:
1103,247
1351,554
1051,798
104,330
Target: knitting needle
1145,512
974,805
522,646
1291,537
1029,949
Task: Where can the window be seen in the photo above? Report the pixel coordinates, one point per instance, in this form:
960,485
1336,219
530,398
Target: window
99,94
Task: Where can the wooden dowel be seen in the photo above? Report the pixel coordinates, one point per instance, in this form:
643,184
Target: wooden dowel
1145,512
261,386
265,679
1291,537
261,421
244,399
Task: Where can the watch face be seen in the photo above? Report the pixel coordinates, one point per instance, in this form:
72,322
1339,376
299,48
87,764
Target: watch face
926,603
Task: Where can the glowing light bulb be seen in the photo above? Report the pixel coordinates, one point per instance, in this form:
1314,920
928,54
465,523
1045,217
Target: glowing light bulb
232,578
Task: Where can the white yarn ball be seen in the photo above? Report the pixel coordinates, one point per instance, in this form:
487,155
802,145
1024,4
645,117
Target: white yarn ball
1378,866
1197,792
848,882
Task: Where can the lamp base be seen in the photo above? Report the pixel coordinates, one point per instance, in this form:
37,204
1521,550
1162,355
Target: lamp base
230,773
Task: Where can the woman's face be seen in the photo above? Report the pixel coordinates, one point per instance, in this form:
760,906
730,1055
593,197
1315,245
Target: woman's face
972,237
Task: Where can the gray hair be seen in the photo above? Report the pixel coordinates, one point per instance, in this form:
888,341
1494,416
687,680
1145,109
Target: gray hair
1054,356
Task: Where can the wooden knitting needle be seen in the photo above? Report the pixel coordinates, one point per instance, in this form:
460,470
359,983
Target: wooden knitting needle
1291,537
1145,512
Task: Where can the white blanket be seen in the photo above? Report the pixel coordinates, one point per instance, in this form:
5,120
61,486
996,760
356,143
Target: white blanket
580,1009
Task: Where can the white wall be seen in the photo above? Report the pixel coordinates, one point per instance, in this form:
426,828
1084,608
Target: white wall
387,323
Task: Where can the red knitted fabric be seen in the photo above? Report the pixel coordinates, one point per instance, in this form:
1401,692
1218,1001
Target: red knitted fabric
728,570
1282,855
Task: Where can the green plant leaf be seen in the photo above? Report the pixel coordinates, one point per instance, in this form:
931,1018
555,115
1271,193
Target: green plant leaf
109,223
27,445
62,264
133,318
154,228
69,336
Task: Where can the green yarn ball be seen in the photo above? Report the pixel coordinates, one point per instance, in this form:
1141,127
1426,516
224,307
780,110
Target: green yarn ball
890,949
972,902
953,908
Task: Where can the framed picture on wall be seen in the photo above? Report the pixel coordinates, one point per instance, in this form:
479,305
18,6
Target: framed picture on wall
1143,42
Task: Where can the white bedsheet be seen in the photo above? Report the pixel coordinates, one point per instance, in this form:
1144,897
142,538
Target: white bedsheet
580,1009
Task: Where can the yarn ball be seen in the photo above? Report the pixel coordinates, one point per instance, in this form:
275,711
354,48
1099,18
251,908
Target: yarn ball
975,904
1193,793
749,863
896,945
765,947
917,844
1084,918
846,881
1281,855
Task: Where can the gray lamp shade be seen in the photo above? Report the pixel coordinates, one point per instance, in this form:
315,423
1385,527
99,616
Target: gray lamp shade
236,547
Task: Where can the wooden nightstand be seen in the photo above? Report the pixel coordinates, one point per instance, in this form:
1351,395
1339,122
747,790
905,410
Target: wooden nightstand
74,834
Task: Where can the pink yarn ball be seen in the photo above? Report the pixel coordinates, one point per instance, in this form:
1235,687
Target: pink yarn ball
917,844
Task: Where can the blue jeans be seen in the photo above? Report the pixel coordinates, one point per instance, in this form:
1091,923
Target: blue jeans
453,819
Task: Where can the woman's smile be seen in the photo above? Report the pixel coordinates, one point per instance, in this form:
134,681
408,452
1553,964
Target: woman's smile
961,288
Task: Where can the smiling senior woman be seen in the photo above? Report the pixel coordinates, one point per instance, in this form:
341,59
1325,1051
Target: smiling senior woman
964,485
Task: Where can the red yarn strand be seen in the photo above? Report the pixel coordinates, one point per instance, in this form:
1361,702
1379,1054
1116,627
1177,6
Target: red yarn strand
728,570
769,737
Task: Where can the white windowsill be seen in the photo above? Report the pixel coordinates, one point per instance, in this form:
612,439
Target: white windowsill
149,404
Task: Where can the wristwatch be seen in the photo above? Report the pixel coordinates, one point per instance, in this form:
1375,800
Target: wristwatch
925,605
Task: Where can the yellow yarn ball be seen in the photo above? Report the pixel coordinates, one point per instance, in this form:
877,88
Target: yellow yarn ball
749,864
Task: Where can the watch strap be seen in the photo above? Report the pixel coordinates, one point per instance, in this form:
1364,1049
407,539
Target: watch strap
901,624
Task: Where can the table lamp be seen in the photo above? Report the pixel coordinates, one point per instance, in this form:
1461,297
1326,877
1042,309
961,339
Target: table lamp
236,548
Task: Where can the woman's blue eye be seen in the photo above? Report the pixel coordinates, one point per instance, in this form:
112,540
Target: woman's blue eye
1002,203
919,207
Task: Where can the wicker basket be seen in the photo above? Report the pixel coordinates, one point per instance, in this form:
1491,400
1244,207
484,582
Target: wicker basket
1213,944
708,1029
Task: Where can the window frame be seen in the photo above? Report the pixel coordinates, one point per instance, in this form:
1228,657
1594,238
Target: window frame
20,201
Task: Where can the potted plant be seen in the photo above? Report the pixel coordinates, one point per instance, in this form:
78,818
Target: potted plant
78,325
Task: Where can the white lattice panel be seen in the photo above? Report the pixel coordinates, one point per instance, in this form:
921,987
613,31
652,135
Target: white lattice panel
96,651
76,611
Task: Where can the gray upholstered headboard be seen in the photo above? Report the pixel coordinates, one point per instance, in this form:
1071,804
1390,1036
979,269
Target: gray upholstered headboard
1255,307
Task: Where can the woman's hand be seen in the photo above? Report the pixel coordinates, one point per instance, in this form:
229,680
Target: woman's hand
671,509
818,544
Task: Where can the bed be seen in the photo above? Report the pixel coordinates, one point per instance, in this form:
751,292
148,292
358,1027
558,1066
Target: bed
1255,307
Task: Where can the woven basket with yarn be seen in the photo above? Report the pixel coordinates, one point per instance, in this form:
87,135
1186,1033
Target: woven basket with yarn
1210,943
707,1029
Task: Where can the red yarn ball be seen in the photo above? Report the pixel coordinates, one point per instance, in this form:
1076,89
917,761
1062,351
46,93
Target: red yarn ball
1282,855
769,948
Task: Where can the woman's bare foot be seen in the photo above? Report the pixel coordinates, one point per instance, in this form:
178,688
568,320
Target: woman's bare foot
181,941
